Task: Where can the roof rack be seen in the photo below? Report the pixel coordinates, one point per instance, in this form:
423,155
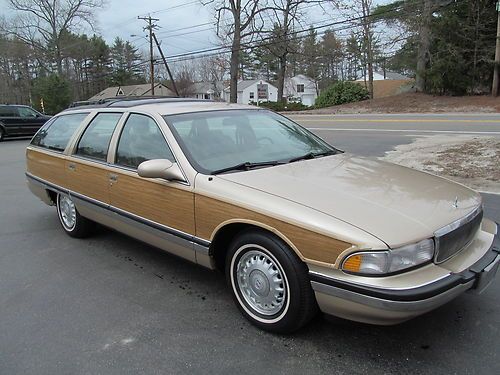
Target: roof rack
132,101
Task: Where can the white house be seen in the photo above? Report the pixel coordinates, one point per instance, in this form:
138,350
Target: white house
381,76
254,90
206,90
300,88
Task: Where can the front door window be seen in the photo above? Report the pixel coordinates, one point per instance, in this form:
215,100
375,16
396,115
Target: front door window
141,140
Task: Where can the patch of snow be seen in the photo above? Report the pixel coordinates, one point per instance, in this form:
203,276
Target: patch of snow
471,160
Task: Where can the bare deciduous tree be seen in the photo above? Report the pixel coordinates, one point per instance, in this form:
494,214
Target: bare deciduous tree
214,69
185,76
245,19
286,13
44,23
363,10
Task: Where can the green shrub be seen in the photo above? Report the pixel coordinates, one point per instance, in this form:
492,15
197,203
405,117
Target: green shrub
282,106
340,93
55,92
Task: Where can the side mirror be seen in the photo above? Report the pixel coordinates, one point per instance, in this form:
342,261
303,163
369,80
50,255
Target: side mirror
160,168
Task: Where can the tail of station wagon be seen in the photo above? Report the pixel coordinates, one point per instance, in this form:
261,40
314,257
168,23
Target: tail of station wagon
293,222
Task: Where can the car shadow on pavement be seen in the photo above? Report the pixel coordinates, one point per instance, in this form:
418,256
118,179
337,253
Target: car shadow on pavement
448,336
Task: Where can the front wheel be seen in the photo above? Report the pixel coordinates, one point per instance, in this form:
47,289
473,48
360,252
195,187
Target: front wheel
72,222
269,283
2,134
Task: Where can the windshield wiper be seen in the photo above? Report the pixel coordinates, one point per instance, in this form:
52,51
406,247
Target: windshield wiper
312,155
246,166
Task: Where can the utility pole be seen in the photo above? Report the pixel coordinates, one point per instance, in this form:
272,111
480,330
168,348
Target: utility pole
150,27
496,72
166,65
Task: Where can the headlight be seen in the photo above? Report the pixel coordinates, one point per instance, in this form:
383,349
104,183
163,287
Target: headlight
389,261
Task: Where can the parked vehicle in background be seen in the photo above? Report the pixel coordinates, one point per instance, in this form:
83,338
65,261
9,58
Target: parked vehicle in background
20,120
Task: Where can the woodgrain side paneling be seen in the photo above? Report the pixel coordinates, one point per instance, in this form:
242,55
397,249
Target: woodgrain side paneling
156,201
46,165
211,213
88,178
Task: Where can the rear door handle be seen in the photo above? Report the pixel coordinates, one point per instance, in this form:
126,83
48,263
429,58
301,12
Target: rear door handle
72,166
113,177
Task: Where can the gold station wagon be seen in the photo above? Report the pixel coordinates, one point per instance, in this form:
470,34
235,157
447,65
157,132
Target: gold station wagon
295,223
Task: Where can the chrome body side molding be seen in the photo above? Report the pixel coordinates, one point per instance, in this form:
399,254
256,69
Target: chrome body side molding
166,238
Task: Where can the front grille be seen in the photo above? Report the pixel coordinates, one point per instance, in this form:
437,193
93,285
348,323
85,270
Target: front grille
454,237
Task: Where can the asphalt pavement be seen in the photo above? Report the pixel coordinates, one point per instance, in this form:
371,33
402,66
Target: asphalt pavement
374,134
113,305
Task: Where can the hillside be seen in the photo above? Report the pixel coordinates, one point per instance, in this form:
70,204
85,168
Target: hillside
416,103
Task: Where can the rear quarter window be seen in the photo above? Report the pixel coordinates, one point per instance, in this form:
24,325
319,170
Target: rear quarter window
56,133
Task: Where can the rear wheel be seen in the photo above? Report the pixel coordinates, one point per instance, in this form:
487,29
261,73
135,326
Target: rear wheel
269,283
72,222
2,134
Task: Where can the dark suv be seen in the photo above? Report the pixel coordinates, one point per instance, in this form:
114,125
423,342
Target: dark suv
19,120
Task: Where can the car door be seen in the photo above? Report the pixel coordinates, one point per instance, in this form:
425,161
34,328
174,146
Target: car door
87,167
166,208
30,120
10,120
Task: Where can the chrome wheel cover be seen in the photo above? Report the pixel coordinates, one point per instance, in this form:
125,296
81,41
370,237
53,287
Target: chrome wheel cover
67,212
261,282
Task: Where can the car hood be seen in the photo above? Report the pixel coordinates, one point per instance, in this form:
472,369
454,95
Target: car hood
398,205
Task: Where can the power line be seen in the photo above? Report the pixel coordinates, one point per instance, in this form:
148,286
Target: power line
185,28
295,32
349,25
174,7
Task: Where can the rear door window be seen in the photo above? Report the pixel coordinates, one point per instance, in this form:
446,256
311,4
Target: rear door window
56,133
27,112
6,111
141,140
94,142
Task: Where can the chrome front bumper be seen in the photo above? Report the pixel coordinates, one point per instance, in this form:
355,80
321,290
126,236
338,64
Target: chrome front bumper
385,306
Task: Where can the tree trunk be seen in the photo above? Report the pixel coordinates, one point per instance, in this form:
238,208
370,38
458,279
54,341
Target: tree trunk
284,54
496,73
281,77
235,58
368,46
423,46
370,65
59,61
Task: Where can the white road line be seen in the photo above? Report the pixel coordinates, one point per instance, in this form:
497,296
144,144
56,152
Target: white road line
489,192
407,131
395,115
400,120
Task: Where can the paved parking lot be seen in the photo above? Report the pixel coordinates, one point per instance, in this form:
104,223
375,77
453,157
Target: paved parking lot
113,305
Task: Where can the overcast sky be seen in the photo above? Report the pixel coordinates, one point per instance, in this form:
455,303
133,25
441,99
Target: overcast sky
119,18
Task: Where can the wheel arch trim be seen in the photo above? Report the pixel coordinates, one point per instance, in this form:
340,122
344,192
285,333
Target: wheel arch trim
257,225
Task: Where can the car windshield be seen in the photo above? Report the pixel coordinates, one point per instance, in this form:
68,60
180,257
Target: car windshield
216,141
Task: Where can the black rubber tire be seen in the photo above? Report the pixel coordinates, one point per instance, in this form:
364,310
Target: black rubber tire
2,134
301,305
83,227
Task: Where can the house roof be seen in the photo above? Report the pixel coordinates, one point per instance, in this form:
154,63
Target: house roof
302,77
132,90
243,84
205,87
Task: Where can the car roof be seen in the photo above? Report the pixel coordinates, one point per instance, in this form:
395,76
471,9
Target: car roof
162,106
